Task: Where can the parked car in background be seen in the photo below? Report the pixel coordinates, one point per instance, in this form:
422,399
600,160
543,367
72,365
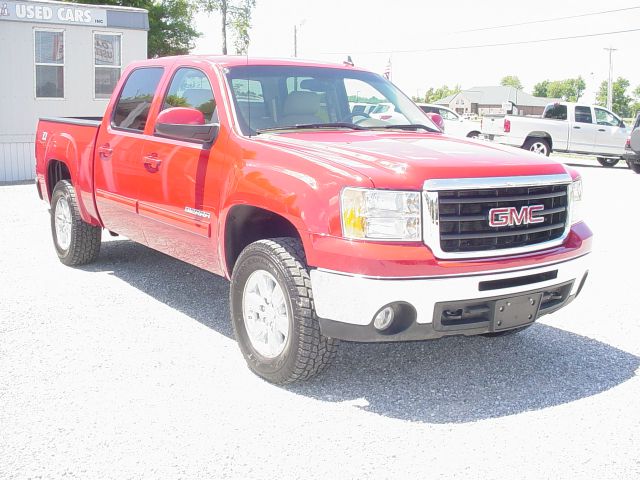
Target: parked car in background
454,124
632,147
387,112
360,107
564,127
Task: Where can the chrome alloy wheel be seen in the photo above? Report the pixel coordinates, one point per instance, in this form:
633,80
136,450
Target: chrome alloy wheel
63,223
264,310
538,147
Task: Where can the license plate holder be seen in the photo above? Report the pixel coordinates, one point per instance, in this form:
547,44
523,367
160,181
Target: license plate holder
516,311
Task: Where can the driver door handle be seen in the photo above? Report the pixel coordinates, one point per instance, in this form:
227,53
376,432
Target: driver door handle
576,127
105,151
152,162
602,129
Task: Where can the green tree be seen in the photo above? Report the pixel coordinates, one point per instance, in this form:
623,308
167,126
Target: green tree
236,15
435,94
241,24
540,89
635,106
570,89
170,24
511,81
621,101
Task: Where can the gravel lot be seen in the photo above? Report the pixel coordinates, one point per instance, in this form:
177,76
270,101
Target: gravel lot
128,369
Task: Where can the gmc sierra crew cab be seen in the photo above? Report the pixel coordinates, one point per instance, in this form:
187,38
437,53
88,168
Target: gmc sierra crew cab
564,127
329,224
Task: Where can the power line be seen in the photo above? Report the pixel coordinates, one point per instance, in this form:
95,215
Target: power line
555,19
485,45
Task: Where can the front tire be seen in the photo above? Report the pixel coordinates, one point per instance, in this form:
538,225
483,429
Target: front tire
273,315
76,242
608,162
537,145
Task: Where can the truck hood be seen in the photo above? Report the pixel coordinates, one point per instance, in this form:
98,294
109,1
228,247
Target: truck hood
404,160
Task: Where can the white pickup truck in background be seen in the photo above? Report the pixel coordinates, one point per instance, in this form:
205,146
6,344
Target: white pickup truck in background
564,127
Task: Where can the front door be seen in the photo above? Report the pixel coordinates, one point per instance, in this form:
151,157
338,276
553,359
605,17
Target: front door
611,134
118,170
178,199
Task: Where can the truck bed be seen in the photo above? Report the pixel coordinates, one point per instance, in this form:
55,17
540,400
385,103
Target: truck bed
86,121
53,143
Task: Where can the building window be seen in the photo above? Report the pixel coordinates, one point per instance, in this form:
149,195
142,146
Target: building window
49,60
107,62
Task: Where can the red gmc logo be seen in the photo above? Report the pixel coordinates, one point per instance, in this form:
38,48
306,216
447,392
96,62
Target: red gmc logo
508,216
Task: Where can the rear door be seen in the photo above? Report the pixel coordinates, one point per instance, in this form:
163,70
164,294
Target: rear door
180,190
118,170
583,130
611,133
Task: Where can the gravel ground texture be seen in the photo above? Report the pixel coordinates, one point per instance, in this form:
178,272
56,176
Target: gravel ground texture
127,368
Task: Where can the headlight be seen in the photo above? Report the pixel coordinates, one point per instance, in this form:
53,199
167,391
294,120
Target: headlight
575,201
381,214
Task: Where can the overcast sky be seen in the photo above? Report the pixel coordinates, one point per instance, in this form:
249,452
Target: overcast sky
368,29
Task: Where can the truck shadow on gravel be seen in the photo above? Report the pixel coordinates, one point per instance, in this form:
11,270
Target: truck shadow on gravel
451,380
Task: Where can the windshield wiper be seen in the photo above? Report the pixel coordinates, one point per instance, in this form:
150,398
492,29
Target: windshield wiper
411,126
312,126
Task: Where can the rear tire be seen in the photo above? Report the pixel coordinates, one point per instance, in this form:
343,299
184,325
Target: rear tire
475,135
608,162
634,166
76,242
271,280
537,145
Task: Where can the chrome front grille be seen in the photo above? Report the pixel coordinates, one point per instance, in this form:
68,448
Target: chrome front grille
457,215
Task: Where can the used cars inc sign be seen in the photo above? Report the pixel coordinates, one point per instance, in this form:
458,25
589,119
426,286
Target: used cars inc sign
51,13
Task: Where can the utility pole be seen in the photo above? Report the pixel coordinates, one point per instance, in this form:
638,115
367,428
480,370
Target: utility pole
295,36
295,40
610,84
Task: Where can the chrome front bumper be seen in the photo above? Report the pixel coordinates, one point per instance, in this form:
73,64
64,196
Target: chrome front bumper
352,300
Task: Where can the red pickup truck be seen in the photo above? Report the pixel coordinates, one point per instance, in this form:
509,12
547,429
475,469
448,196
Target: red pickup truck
330,224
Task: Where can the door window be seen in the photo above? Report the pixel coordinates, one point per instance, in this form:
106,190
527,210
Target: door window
583,115
606,118
132,109
448,115
555,112
191,88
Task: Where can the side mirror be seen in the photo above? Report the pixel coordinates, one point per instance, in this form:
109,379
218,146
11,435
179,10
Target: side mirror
437,119
186,124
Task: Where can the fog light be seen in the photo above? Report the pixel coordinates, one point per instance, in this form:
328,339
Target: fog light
383,318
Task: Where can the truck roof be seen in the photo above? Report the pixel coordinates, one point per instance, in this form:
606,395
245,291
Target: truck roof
240,60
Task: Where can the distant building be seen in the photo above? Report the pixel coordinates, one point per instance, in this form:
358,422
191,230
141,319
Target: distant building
59,59
494,100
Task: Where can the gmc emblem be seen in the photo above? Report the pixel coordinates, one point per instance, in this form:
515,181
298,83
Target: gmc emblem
509,216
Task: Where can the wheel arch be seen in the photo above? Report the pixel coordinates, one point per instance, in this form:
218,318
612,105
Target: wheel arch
245,224
56,171
540,134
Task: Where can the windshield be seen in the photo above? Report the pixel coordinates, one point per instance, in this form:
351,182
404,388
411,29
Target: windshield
273,97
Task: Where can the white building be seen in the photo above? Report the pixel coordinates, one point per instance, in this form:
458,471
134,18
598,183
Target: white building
59,59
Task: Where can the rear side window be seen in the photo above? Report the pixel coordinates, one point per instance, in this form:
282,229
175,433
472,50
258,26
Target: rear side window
429,109
555,112
191,88
132,109
583,115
